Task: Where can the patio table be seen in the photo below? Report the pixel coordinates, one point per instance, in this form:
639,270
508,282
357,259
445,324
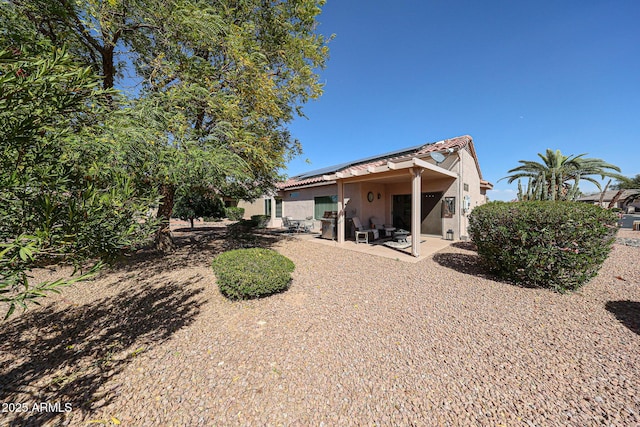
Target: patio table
302,225
400,236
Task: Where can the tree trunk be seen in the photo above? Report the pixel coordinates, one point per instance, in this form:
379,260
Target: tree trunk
108,69
615,199
163,241
191,219
602,194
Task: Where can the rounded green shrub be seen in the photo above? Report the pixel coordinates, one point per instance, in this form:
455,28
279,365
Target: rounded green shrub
252,273
235,213
557,245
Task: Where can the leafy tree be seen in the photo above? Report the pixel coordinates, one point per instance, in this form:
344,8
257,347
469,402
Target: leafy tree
60,199
219,82
558,176
231,80
90,29
195,204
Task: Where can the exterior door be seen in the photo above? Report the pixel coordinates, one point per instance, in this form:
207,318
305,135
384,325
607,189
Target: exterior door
402,211
429,217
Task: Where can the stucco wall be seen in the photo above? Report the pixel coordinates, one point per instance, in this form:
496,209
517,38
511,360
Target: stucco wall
467,168
299,204
252,208
361,207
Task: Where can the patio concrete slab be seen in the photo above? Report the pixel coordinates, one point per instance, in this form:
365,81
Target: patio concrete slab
428,246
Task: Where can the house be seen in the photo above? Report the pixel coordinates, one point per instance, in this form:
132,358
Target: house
426,189
628,201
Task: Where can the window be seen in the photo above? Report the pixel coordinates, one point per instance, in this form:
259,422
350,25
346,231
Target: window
267,207
448,207
278,208
323,204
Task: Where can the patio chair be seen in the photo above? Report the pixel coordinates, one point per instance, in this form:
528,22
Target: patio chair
308,224
387,229
362,232
290,225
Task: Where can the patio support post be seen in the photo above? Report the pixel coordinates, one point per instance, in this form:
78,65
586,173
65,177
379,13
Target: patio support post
272,220
341,212
416,191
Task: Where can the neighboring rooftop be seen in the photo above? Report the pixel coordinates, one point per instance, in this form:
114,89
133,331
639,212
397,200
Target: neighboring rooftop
608,195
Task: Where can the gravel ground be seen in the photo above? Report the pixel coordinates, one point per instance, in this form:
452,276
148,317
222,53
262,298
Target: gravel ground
357,340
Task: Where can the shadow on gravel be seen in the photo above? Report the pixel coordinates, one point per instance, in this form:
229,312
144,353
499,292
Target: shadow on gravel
468,246
471,264
627,312
197,248
463,263
199,230
74,354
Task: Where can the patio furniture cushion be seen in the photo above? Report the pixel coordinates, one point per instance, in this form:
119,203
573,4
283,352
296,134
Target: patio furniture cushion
361,232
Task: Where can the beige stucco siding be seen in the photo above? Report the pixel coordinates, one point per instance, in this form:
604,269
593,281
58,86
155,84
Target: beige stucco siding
252,208
469,171
299,204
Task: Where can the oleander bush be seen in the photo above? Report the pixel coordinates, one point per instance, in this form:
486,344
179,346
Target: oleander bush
252,273
556,245
235,213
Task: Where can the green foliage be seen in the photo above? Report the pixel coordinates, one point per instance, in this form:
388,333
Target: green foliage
15,290
558,176
60,199
195,204
235,213
252,273
220,80
557,245
625,183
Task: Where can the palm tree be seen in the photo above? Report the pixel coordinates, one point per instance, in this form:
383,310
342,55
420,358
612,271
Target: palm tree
558,176
627,183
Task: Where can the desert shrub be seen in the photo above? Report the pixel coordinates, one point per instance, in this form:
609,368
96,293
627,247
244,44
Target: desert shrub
260,221
235,213
557,245
252,273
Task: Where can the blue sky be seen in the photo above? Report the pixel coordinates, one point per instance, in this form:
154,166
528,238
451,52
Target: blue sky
518,76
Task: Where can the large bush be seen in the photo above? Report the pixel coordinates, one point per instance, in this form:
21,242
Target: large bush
252,273
64,197
235,213
557,245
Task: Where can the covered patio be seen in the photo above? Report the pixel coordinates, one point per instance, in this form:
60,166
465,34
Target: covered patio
392,178
428,245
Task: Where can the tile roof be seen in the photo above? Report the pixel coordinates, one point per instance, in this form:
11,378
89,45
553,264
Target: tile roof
316,176
608,195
